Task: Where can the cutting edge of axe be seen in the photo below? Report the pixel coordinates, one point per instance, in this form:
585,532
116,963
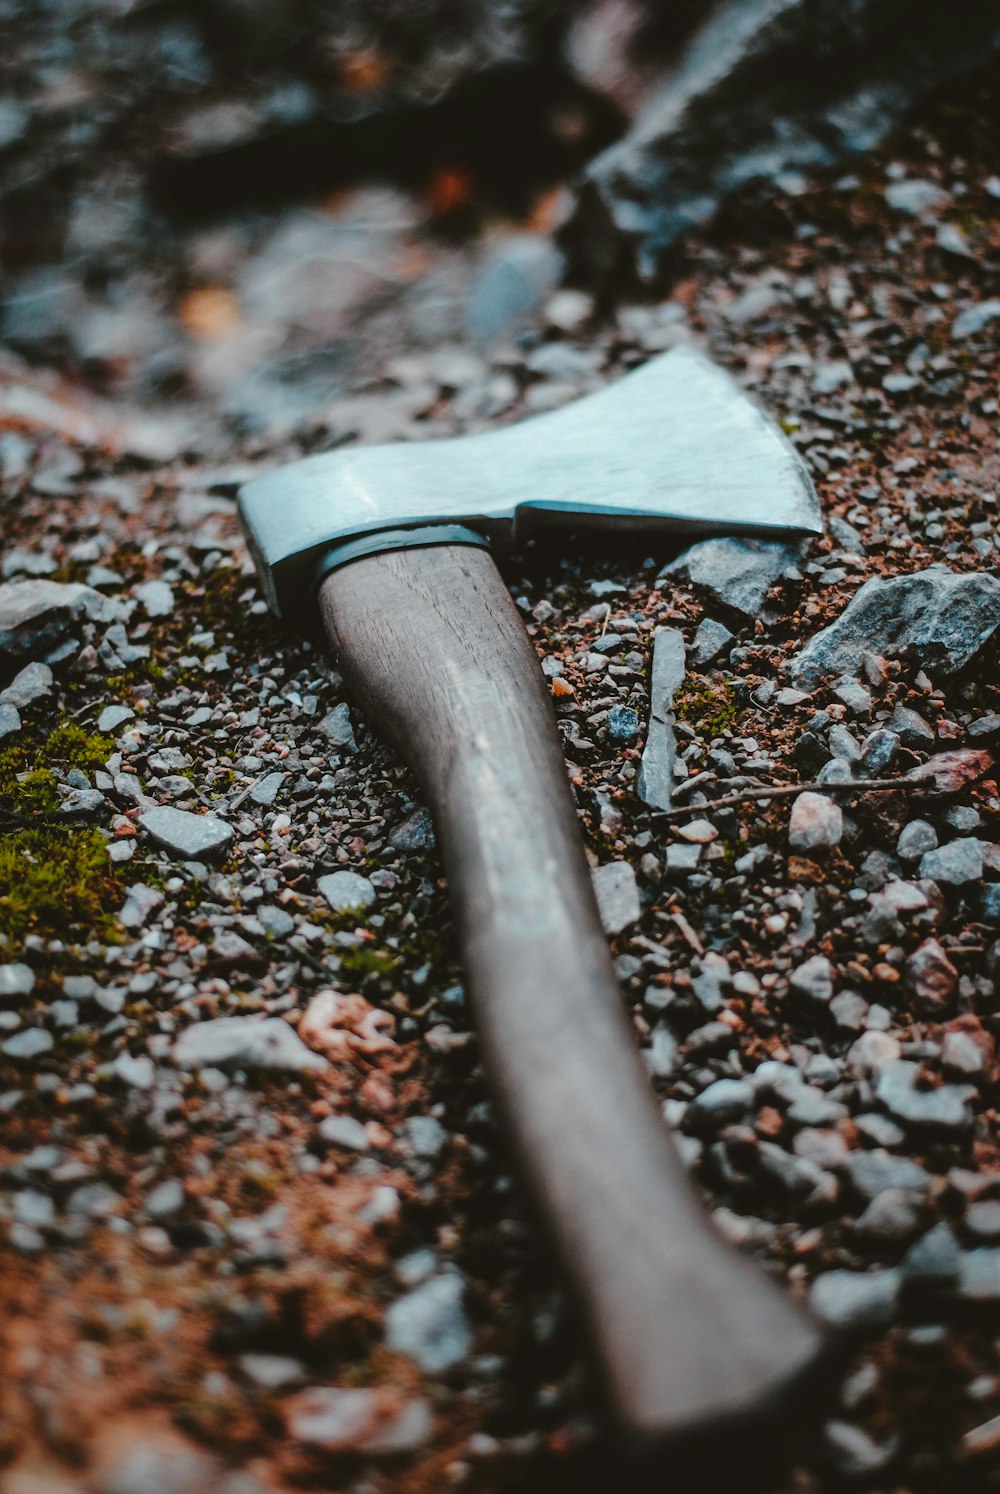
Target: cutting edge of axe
694,1343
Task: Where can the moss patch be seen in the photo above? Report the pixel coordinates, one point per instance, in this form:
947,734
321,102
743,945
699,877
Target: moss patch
55,880
710,709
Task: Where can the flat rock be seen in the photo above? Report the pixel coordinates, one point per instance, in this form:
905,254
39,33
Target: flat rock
357,1419
617,895
915,840
16,980
855,1299
956,863
191,837
114,716
10,720
655,782
939,618
975,319
33,682
245,1043
931,977
35,614
346,891
814,979
709,640
736,573
336,725
266,789
942,1107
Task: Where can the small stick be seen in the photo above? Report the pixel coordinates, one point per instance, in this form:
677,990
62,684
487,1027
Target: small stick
789,790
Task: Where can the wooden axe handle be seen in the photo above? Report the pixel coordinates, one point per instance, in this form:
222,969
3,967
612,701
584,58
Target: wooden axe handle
692,1338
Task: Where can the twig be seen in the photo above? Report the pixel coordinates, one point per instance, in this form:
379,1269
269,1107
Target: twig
789,790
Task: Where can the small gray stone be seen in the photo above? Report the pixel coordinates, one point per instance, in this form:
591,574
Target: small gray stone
892,1215
721,1104
429,1323
140,903
943,1108
854,694
191,837
114,716
879,751
979,1278
932,977
155,598
346,891
15,981
32,683
166,1200
148,1470
816,823
915,840
10,721
345,1132
337,726
30,1042
272,1372
622,723
736,573
709,641
617,895
856,1300
134,1072
661,1055
911,728
917,197
975,319
871,1173
425,1134
813,979
956,863
935,1257
245,1042
415,833
265,790
854,1453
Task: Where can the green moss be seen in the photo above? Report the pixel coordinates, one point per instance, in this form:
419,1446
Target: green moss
54,877
711,709
55,882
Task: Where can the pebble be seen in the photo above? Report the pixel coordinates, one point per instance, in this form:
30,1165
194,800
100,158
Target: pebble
155,598
346,891
617,895
975,319
856,1300
139,905
879,751
854,1453
931,977
190,837
915,840
721,1104
247,1043
10,720
957,862
357,1419
943,1108
345,1132
892,1215
622,723
30,1042
429,1323
816,823
266,789
814,979
31,684
16,980
415,833
114,716
735,573
917,197
35,614
338,728
710,638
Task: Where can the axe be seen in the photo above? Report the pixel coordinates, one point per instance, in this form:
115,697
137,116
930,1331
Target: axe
392,543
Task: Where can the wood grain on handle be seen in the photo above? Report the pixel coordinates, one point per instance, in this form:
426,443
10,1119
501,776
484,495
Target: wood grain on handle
690,1337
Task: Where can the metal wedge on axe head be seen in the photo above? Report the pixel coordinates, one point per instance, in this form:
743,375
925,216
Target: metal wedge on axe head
695,1345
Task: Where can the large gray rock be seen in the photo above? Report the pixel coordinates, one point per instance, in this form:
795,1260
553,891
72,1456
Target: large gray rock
245,1043
938,618
35,614
766,88
193,837
736,573
655,783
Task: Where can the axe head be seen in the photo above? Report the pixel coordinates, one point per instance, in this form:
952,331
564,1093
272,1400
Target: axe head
675,445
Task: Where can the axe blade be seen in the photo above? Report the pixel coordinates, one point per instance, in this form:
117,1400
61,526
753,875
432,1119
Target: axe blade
674,445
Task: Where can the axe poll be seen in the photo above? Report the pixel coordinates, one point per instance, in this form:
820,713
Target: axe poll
392,544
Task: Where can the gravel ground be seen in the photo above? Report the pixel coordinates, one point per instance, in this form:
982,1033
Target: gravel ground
255,1212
